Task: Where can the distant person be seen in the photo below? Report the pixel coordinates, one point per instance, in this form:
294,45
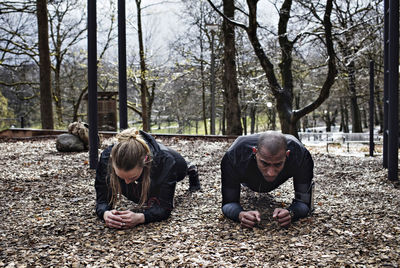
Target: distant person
145,172
262,162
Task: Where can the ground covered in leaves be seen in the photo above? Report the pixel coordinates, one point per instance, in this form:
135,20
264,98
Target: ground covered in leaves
47,216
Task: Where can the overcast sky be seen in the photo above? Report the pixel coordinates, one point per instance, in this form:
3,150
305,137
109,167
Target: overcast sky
161,22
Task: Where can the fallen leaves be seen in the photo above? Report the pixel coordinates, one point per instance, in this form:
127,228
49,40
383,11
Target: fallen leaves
47,216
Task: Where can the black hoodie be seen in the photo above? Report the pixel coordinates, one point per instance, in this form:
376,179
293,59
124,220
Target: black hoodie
163,176
239,167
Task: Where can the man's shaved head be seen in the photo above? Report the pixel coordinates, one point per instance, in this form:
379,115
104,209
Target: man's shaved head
274,142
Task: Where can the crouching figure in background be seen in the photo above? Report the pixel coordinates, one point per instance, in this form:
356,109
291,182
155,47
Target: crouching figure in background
145,172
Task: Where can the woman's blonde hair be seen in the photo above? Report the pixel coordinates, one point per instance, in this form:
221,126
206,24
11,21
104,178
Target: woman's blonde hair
131,151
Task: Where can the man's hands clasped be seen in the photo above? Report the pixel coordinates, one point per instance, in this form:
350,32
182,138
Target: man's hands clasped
251,218
122,219
282,216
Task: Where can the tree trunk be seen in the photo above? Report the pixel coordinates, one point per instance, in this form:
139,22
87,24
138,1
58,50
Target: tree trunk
146,113
297,106
244,111
365,117
284,95
344,122
355,110
253,112
305,123
78,103
327,119
231,89
150,101
330,119
244,122
46,107
379,109
57,93
203,87
273,119
285,101
224,119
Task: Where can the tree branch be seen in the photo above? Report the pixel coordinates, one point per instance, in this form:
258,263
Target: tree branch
14,84
236,23
131,106
332,70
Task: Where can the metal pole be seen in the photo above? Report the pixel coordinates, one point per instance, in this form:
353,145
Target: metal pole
393,126
371,108
386,83
123,111
212,85
92,83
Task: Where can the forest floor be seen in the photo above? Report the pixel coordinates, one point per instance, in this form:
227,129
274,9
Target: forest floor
47,216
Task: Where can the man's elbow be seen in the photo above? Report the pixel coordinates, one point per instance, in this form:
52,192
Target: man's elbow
300,209
232,210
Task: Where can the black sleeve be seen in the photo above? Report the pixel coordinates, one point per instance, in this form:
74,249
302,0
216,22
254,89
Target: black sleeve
161,205
302,182
162,196
230,189
103,192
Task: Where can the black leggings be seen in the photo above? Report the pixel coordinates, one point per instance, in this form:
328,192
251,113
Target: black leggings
180,166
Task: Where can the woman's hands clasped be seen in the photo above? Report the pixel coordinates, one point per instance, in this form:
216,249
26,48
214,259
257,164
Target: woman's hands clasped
122,219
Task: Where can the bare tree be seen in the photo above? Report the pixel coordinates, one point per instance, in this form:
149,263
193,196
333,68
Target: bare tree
19,58
46,107
283,93
65,32
191,49
231,89
355,26
146,92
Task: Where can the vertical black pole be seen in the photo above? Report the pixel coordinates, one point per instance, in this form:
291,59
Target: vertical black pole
386,83
92,83
22,122
393,126
371,108
123,111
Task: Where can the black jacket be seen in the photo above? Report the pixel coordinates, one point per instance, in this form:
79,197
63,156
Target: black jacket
164,175
239,167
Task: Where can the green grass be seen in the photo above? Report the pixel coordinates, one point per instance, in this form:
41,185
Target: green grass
172,128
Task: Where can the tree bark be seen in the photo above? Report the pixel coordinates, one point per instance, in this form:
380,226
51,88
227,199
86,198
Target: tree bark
253,113
203,87
46,107
231,89
57,93
379,110
224,118
144,94
355,110
344,123
328,121
78,103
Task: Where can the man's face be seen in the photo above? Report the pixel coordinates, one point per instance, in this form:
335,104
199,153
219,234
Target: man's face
270,165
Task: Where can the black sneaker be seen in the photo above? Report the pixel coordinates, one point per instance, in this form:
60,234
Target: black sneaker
194,183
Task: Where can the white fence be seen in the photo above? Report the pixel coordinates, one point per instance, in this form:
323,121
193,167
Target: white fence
340,137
